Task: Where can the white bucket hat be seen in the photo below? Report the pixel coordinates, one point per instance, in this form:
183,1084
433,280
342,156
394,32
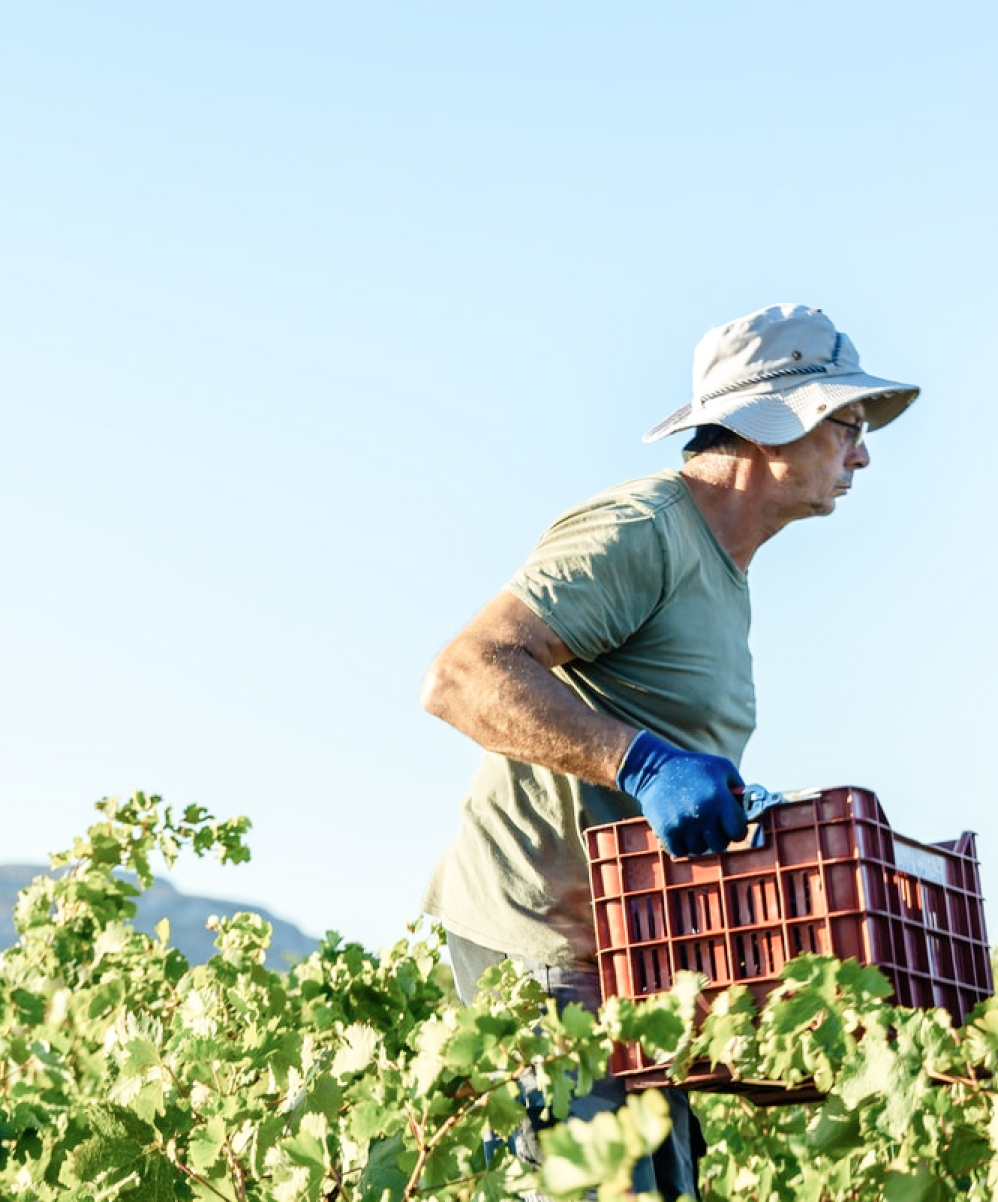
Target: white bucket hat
774,375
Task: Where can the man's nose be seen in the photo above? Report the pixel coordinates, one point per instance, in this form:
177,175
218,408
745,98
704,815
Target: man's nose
859,456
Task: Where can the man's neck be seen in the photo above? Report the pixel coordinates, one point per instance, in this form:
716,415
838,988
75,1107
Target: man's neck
729,490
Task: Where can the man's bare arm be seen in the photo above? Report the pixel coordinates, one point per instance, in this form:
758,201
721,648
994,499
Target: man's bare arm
494,682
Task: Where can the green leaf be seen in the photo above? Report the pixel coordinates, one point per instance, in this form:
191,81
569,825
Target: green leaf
862,981
505,1111
384,1176
982,1036
352,1070
878,1073
579,1156
144,1098
648,1115
291,1183
123,1144
792,1012
106,996
967,1147
159,1182
728,1033
578,1022
206,1143
308,1146
368,1120
921,1186
836,1130
30,1006
99,1155
430,1059
360,1046
140,1055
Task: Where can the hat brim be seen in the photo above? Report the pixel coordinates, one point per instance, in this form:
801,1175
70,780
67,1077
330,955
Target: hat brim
775,417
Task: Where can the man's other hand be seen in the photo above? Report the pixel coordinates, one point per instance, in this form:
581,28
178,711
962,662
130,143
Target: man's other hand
686,796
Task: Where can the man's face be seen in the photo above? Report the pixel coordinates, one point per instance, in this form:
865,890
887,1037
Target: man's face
817,469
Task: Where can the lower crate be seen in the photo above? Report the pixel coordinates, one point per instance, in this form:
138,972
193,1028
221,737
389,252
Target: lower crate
830,877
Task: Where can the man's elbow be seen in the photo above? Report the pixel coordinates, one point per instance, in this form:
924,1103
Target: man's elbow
437,689
454,682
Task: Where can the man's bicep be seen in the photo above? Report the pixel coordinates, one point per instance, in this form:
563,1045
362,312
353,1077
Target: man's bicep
507,624
500,660
495,682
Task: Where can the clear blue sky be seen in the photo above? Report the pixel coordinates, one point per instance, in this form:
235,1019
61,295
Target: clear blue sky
315,315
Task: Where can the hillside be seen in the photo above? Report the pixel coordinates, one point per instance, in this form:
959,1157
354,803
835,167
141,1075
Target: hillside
187,915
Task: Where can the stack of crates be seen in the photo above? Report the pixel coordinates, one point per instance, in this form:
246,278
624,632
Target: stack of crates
826,875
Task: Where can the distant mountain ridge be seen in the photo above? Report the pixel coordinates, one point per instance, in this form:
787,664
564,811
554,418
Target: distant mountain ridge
187,915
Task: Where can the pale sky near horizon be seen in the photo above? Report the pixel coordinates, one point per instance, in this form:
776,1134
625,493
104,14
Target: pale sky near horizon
315,315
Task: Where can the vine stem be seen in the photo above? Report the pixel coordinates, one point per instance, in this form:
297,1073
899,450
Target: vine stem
236,1169
949,1079
190,1173
426,1146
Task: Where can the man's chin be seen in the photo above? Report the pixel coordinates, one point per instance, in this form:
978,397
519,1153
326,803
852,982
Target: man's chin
822,510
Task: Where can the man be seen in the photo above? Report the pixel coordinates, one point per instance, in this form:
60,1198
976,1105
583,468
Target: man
612,676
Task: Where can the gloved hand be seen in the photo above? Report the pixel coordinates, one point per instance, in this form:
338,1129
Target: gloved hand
685,795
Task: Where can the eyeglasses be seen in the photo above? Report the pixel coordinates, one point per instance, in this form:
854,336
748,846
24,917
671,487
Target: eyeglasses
857,430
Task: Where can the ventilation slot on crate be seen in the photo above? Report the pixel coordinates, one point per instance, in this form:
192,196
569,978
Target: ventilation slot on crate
707,956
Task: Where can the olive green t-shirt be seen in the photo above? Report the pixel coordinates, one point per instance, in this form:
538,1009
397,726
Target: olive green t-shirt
657,616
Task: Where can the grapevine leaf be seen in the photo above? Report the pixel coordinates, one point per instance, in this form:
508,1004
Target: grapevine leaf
30,1006
863,981
291,1184
836,1130
360,1046
580,1156
206,1144
577,1021
140,1054
982,1037
728,1032
368,1120
360,1077
384,1176
107,996
966,1148
430,1059
159,1182
873,1074
505,1111
98,1155
119,1138
649,1114
921,1186
146,1099
308,1146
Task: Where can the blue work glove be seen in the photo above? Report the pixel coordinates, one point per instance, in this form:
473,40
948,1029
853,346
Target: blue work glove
685,795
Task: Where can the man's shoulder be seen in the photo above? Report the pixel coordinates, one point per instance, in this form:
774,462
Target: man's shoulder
632,518
645,494
643,497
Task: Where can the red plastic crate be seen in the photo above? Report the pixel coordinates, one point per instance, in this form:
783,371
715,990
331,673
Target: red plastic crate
830,877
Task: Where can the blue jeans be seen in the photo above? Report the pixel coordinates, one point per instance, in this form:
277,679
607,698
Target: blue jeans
673,1168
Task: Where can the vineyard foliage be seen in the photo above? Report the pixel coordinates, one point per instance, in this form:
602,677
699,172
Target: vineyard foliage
126,1072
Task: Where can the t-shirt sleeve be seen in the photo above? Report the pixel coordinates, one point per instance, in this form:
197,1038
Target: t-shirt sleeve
595,577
